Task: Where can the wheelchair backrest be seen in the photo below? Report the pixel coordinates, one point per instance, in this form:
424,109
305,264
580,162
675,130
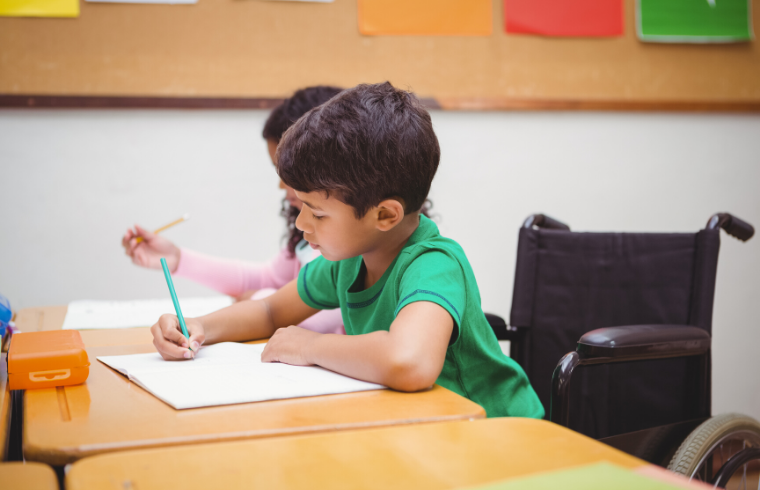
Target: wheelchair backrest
568,283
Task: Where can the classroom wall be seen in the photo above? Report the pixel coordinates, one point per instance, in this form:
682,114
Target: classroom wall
73,181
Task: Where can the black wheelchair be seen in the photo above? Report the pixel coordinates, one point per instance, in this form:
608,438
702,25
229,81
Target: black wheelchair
641,305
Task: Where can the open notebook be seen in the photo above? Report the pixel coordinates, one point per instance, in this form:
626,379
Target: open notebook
228,373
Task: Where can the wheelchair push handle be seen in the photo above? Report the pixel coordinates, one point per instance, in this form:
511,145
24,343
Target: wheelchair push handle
544,221
734,226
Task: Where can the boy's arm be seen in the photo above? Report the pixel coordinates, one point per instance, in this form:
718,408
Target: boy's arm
247,320
251,320
409,357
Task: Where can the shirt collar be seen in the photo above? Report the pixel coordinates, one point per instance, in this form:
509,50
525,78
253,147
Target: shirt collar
425,230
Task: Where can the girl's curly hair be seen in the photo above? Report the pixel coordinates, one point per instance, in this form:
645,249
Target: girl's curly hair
279,120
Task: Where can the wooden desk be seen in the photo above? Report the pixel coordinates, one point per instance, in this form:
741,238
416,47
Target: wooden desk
109,413
5,405
51,318
42,318
426,456
27,476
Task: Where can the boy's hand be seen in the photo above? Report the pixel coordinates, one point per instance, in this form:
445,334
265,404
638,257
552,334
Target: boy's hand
169,341
289,345
151,248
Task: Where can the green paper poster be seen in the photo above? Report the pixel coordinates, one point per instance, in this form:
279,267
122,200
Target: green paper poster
694,21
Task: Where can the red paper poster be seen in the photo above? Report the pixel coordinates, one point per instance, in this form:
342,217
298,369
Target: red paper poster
564,17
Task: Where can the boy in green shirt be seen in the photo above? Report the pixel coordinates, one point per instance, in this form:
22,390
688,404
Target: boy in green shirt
362,163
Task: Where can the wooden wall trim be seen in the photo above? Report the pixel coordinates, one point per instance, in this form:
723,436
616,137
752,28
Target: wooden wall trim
122,102
509,104
452,104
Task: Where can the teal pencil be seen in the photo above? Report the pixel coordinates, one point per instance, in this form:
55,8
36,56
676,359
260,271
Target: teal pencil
170,283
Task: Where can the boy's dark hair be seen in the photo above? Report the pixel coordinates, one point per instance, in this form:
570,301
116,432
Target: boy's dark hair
280,119
367,144
284,115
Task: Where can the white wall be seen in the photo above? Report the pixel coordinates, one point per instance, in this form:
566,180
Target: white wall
73,181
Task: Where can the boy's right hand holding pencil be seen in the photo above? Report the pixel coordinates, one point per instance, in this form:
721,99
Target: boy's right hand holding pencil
169,341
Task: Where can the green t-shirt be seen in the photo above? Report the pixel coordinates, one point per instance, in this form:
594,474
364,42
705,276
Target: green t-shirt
435,269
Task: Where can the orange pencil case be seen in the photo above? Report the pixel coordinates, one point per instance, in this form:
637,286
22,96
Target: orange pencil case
47,359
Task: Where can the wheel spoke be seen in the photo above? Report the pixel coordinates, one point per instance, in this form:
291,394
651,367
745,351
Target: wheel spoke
722,458
698,474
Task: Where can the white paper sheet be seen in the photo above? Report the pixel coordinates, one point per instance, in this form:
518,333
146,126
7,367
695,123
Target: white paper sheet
228,373
88,315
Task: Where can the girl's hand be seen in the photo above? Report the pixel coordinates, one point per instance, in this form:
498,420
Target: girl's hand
169,341
151,248
290,345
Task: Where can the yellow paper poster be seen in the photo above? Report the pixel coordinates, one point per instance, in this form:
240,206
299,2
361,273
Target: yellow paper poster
39,8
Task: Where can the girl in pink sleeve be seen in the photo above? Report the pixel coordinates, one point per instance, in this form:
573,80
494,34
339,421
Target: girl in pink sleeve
245,280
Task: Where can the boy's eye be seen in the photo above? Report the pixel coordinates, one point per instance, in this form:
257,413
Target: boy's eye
317,217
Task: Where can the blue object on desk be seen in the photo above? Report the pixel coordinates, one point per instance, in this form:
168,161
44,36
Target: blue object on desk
5,314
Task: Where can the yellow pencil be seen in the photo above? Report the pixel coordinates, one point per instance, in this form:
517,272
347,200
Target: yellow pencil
159,230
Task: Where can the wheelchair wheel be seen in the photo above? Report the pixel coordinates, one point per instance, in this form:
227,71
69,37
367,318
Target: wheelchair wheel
704,452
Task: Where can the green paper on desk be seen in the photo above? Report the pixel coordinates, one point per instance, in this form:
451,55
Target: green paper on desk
599,476
694,21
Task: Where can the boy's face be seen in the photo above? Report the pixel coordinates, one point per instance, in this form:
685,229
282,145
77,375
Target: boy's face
331,226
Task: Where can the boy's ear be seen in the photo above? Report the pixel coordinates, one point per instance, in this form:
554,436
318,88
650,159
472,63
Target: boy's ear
389,213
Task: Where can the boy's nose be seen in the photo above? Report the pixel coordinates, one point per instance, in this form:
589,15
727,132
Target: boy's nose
300,221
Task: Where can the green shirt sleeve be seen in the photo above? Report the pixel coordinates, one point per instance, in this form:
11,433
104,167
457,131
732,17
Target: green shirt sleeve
317,284
435,277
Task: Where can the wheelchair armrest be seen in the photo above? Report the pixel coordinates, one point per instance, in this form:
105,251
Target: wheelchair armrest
501,329
638,342
632,343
